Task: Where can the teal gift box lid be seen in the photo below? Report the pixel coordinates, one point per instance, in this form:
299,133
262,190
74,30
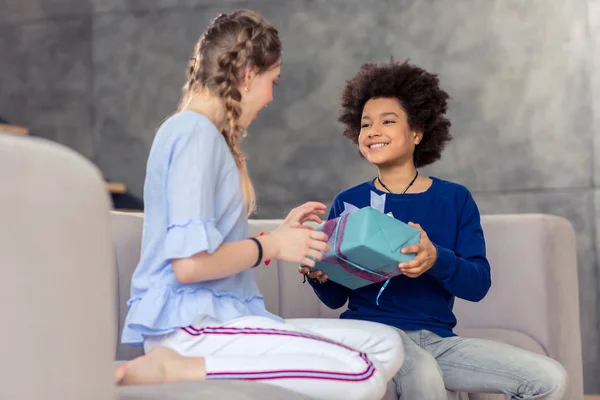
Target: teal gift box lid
365,247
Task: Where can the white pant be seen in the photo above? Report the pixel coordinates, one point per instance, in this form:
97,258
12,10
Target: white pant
321,358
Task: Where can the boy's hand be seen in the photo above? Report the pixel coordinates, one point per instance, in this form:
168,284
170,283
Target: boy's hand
426,255
318,275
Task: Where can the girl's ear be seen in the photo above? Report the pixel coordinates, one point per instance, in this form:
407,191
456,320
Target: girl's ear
248,78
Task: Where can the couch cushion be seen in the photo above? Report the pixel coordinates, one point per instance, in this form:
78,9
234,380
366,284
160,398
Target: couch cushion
267,277
508,336
511,337
127,241
222,390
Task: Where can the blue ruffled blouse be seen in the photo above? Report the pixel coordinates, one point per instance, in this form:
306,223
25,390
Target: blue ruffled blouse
193,203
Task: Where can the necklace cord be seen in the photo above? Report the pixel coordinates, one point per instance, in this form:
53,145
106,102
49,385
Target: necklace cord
405,189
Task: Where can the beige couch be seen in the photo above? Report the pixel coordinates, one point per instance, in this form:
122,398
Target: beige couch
533,302
59,292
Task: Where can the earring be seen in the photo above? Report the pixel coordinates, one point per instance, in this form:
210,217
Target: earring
246,89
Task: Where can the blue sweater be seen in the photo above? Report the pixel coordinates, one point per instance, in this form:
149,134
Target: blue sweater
449,216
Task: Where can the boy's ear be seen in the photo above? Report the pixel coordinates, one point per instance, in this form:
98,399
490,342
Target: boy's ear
418,136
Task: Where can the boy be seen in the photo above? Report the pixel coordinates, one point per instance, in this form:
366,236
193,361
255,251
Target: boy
395,113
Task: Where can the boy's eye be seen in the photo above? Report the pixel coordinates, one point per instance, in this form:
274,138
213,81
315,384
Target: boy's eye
389,122
363,126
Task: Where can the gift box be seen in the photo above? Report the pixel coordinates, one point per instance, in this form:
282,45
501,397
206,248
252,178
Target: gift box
365,247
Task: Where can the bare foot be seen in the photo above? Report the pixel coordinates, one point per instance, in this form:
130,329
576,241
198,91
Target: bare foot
160,365
120,372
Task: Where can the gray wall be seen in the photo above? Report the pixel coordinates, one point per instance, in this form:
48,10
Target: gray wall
100,76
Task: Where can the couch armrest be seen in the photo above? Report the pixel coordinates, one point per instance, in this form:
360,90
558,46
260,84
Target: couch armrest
534,286
57,295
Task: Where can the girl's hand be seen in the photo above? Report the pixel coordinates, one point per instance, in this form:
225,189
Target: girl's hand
425,258
298,244
318,274
306,212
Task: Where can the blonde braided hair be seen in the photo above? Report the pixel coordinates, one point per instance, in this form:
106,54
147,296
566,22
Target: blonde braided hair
229,45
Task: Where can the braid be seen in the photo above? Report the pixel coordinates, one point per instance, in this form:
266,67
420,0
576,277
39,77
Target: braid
193,72
231,64
231,43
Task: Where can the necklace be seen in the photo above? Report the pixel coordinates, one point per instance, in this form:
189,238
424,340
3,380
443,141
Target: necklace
405,189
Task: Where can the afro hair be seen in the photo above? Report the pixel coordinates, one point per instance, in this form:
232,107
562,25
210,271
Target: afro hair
419,94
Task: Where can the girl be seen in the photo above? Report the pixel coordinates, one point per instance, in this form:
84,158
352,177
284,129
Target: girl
195,306
396,114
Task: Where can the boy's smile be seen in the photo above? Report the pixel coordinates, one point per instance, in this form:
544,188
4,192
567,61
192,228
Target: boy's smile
376,146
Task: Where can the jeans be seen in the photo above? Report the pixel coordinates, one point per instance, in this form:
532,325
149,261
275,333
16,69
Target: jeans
433,364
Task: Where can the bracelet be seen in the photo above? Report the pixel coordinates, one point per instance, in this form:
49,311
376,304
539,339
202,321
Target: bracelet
267,262
260,251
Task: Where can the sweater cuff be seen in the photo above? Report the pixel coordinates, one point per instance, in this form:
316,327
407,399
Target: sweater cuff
321,288
444,265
